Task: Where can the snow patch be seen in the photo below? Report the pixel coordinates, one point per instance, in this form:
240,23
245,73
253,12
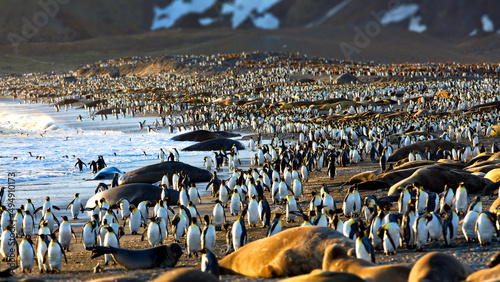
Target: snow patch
415,25
167,16
243,9
400,13
207,21
487,23
267,21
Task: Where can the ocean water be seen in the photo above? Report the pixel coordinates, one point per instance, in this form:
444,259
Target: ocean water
60,138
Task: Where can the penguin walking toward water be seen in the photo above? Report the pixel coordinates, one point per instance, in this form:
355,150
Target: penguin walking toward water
208,235
275,226
26,254
486,227
193,239
364,249
239,232
209,262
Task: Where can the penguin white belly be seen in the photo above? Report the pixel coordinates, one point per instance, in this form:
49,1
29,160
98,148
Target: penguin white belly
469,225
237,233
235,206
75,207
485,230
88,236
209,239
109,241
26,256
218,216
421,233
154,234
435,228
55,256
28,226
40,254
4,244
328,202
193,195
253,213
65,235
193,239
297,189
291,206
361,252
134,222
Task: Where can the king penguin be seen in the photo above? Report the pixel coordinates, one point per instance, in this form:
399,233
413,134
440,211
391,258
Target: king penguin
239,232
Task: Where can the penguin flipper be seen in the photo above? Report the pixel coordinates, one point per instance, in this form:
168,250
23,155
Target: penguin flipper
56,207
70,204
74,235
145,232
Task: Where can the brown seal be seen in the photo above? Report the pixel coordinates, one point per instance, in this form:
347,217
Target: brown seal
325,276
186,274
439,267
291,252
336,259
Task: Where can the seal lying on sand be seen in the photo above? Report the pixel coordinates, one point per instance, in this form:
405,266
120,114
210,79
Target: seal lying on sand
290,252
203,135
107,173
135,193
153,173
439,267
162,256
336,260
215,145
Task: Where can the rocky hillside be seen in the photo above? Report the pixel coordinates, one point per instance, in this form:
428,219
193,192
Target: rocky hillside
65,20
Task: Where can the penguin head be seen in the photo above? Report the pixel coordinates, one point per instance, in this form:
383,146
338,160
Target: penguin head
131,208
47,199
65,218
207,219
29,200
428,216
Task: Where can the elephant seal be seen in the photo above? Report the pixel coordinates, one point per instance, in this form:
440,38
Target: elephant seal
434,145
436,177
373,185
479,158
362,177
325,276
186,274
162,256
153,173
107,173
120,278
290,252
215,145
493,175
491,188
135,193
438,267
336,259
203,135
495,205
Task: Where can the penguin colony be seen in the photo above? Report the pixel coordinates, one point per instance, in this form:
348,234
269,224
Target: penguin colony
355,122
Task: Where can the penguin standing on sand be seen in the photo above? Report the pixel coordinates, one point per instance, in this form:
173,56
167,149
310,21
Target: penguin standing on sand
485,227
331,167
134,220
352,202
421,232
26,254
208,235
407,225
153,232
275,226
390,234
193,239
461,199
76,206
434,226
89,238
55,254
65,233
264,212
239,232
469,225
179,226
28,224
218,215
41,251
450,226
110,240
209,262
446,197
229,238
364,249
